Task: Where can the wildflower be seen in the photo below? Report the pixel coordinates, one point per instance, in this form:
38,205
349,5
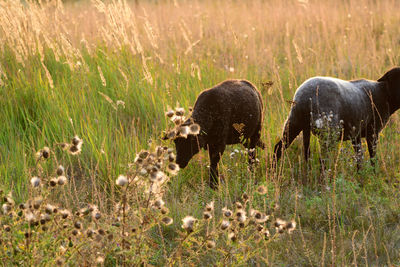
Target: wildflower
61,180
53,182
183,131
62,249
261,190
64,146
171,134
9,199
258,216
177,120
101,231
78,225
35,181
239,205
210,244
96,215
100,260
89,233
169,113
164,210
280,225
157,176
194,129
121,180
143,154
232,236
65,214
279,222
60,170
37,202
179,111
227,212
210,206
110,237
188,223
45,152
171,157
173,168
167,220
44,218
74,150
266,233
76,141
245,197
30,217
159,203
207,215
290,226
241,216
49,209
60,262
225,224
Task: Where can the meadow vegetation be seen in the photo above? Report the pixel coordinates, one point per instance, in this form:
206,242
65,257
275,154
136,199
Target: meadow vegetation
85,86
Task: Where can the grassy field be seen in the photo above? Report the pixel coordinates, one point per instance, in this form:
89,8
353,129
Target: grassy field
107,72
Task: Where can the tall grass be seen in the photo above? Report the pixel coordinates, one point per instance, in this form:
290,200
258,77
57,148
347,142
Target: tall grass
107,71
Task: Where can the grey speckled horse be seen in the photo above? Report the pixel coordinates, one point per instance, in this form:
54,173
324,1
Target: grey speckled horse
359,108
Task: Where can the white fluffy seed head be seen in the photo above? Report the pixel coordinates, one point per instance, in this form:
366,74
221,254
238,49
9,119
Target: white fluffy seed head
35,181
188,223
62,180
121,180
